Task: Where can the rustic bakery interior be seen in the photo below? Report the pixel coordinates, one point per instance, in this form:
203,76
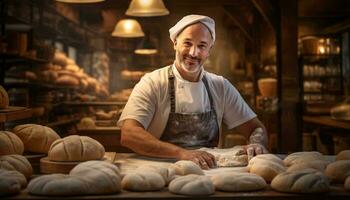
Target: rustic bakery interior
168,99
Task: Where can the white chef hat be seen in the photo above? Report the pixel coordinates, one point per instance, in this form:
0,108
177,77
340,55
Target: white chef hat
192,19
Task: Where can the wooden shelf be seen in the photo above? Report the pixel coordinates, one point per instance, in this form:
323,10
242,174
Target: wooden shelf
16,58
14,113
93,103
64,122
327,121
100,130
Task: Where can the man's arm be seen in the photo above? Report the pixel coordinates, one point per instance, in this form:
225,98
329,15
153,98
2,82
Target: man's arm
135,137
257,139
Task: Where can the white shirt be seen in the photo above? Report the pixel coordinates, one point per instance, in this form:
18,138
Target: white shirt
149,102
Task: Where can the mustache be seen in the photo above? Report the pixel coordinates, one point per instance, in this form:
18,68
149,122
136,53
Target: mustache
192,58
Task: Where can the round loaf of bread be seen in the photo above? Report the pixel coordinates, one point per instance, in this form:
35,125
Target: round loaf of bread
58,185
305,156
319,165
101,177
4,98
143,181
184,167
87,123
338,171
343,155
267,166
192,185
36,138
168,174
10,143
76,148
18,163
11,182
238,182
304,181
347,183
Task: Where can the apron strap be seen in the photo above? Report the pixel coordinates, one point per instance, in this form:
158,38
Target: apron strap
172,90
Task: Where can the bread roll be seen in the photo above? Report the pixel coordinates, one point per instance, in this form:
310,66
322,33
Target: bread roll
11,182
143,181
338,171
18,163
304,181
305,156
266,165
58,185
229,157
101,177
67,80
343,155
60,59
36,138
347,183
168,174
238,182
4,98
192,184
76,148
10,143
319,165
87,123
184,167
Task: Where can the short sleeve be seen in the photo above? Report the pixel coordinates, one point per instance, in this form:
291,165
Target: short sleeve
141,104
236,110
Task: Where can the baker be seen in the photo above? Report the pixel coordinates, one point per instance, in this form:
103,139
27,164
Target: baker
179,108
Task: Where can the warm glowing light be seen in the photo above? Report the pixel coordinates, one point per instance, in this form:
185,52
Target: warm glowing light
128,28
147,8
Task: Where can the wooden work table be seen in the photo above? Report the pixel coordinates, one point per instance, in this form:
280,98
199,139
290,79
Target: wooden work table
129,161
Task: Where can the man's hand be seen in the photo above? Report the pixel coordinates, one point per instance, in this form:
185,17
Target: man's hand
254,149
203,159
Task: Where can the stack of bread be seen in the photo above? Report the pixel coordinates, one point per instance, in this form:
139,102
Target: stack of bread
4,98
15,169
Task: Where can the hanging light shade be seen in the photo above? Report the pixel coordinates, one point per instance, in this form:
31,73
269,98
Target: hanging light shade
146,47
80,1
128,28
147,8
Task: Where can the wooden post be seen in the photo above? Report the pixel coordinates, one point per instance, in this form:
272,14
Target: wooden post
288,77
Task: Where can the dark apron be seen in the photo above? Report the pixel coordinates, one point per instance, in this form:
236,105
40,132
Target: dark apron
191,130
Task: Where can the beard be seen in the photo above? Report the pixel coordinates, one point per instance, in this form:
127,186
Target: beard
189,64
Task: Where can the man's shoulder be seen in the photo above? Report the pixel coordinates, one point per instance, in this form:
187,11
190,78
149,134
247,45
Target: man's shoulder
214,78
157,74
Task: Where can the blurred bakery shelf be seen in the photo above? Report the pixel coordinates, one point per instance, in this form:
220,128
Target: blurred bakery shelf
91,103
13,58
64,122
13,113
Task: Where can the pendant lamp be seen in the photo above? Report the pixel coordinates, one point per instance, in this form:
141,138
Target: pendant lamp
80,1
146,47
147,8
128,28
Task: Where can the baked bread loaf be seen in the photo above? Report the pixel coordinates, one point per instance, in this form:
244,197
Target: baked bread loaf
76,148
267,166
184,167
18,163
67,80
192,185
58,185
305,156
4,98
11,182
238,182
343,155
347,183
87,123
338,171
10,143
143,181
229,157
36,138
304,181
101,177
319,165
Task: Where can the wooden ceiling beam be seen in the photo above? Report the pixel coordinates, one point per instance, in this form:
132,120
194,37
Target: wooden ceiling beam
239,21
267,11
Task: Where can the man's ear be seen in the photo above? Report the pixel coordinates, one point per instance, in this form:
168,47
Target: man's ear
175,43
